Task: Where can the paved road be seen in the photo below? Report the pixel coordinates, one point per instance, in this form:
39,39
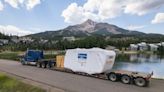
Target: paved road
74,83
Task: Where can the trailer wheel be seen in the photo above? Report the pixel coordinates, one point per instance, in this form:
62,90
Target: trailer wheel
125,79
112,77
50,64
141,82
37,65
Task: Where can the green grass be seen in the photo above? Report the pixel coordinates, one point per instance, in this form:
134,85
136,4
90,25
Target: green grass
49,56
9,55
15,56
8,84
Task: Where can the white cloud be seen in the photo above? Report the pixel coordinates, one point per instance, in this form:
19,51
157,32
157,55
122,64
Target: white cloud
100,10
142,7
73,13
135,27
1,6
14,3
97,10
32,3
159,18
13,30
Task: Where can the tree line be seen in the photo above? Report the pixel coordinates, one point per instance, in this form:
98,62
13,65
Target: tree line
85,42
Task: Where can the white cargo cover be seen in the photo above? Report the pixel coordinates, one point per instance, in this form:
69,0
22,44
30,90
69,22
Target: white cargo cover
91,61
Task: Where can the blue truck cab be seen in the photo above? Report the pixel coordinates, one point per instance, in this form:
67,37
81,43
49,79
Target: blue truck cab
32,56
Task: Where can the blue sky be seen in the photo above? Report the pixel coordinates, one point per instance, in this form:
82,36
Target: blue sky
27,16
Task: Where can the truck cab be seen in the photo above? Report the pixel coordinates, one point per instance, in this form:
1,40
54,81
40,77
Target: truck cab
32,56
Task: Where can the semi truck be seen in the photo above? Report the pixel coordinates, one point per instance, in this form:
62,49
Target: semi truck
94,62
36,57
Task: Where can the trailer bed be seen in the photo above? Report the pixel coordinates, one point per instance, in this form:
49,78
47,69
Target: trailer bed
134,74
128,77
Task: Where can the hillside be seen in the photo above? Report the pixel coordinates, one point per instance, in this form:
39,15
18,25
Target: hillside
88,28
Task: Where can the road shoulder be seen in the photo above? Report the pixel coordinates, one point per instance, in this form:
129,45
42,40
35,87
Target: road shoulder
48,88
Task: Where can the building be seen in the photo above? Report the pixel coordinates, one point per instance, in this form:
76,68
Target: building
43,41
158,44
162,43
26,39
15,39
110,47
72,38
1,44
4,41
152,47
133,47
142,46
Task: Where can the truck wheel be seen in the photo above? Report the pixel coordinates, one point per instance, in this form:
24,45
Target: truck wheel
140,82
38,65
112,77
125,79
45,64
22,62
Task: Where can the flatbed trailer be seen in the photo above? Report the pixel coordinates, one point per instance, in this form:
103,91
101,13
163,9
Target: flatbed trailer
126,77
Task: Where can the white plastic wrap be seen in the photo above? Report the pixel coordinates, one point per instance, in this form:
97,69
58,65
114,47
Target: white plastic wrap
91,61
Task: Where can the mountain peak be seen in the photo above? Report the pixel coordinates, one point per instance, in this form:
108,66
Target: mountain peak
92,27
90,22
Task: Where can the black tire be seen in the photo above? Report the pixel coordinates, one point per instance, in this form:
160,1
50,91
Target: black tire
112,77
125,79
45,64
141,82
38,64
49,64
23,62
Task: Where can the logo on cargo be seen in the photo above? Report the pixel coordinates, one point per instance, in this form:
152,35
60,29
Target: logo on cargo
82,56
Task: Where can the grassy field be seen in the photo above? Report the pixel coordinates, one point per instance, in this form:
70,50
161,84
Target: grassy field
16,55
8,84
10,55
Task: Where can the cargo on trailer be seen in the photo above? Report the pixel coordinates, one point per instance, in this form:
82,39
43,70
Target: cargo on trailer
60,61
90,61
